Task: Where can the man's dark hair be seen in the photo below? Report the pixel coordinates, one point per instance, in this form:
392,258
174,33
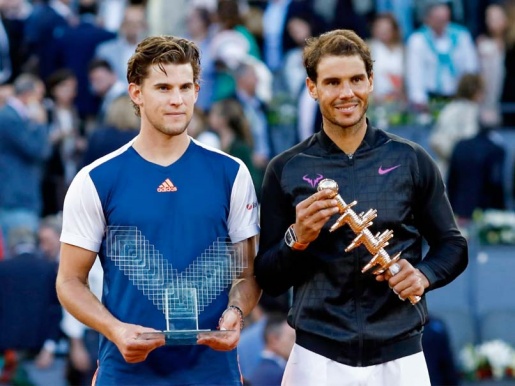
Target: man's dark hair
99,63
341,42
59,76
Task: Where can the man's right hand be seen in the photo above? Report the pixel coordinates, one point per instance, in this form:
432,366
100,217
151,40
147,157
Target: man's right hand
133,348
313,213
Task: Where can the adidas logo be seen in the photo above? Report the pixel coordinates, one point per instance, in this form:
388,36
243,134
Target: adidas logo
167,186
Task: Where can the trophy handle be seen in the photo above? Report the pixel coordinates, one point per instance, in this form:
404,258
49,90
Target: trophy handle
394,268
359,225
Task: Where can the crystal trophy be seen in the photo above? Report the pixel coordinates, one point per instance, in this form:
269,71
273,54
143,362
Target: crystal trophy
180,296
359,224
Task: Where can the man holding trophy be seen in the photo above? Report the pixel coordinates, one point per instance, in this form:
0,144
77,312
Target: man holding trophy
343,218
174,224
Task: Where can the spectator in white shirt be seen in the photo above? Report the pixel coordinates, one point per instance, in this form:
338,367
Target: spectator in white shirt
438,54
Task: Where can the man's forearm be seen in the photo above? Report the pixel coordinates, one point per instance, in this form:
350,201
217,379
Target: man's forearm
245,294
82,304
245,291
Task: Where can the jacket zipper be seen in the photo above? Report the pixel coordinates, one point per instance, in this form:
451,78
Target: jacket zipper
358,282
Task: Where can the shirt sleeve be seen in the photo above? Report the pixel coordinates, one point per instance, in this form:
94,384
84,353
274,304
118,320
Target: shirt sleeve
277,267
448,252
243,214
83,217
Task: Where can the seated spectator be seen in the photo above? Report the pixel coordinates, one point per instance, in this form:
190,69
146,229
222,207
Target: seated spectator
255,111
491,48
301,25
49,233
83,341
459,119
227,119
438,353
118,51
31,313
199,29
232,44
24,148
83,352
437,56
279,339
64,134
199,129
388,54
252,340
74,49
121,125
106,85
476,174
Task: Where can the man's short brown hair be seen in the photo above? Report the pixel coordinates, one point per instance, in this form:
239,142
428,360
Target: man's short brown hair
340,42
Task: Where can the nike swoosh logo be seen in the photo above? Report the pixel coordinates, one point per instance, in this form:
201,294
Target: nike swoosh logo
382,171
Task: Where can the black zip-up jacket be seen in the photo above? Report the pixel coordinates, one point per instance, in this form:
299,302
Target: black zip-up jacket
338,311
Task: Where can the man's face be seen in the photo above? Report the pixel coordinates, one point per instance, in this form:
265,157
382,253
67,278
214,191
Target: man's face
342,89
166,100
196,26
65,91
101,80
49,242
134,24
438,18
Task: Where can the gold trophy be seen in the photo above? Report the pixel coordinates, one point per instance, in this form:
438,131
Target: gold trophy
359,225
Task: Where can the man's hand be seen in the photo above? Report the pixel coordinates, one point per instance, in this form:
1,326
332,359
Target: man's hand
409,281
133,347
312,214
228,337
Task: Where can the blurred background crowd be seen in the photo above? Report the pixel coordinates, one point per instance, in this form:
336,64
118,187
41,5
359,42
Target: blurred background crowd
444,76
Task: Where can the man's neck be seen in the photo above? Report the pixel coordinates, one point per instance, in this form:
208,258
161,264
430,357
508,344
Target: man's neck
160,148
347,139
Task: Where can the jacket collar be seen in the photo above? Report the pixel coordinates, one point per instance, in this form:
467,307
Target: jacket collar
373,138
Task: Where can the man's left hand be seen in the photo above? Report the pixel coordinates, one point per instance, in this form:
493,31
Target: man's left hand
229,335
409,281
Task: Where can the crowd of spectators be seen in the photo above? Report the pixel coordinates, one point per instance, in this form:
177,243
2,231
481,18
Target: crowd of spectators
64,102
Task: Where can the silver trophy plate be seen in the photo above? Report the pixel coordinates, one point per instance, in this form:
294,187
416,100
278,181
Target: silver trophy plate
183,337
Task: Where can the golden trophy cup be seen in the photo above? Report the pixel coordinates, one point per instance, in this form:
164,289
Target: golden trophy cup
359,225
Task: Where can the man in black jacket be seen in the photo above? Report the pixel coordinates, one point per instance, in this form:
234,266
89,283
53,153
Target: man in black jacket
351,328
476,177
30,313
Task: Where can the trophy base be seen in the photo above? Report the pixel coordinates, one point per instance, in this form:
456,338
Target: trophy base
183,337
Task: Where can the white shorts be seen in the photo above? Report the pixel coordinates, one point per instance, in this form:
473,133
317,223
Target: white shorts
306,368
